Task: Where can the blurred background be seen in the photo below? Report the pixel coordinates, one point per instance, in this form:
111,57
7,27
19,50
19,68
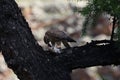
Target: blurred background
43,15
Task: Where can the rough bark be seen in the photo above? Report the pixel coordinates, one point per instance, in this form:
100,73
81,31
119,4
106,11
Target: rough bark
30,62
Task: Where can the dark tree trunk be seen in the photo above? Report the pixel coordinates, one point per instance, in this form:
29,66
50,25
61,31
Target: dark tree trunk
21,51
30,62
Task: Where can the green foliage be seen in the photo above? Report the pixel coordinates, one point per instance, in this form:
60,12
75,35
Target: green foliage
96,7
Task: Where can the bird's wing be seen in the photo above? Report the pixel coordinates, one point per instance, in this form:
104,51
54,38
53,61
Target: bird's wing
61,35
57,34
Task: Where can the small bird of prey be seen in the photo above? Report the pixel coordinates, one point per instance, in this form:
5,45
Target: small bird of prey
54,38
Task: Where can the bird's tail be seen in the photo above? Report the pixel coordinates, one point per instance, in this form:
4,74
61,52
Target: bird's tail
70,40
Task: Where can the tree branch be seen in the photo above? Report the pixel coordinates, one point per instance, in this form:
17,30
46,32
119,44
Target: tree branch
113,28
90,55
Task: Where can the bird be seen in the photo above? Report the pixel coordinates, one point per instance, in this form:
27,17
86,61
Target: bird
56,37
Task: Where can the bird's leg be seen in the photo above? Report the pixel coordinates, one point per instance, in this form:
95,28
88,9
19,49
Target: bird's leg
53,44
66,44
58,45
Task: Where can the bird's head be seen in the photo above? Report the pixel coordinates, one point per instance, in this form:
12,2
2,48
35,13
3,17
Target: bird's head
46,39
